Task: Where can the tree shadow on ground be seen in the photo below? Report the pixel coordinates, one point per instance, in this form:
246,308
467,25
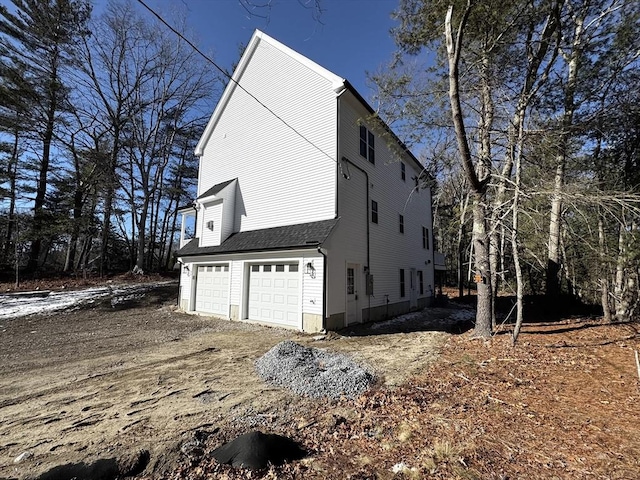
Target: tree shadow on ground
450,317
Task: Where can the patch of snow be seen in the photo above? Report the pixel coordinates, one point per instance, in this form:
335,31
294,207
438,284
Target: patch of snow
407,317
14,306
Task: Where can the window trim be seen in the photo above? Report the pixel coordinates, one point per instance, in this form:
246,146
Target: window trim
425,238
367,144
374,211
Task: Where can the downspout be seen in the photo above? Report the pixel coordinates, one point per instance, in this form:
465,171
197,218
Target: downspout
324,290
366,175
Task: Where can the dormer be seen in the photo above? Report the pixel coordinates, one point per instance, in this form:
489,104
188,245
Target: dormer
216,212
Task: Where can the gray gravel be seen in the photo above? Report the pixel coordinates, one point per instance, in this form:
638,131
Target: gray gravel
312,372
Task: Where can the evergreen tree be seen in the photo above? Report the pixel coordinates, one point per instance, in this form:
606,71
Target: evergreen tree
37,44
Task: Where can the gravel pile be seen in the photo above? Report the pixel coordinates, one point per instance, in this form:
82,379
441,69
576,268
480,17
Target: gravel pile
312,372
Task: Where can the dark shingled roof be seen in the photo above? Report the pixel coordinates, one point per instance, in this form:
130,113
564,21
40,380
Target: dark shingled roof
215,189
278,238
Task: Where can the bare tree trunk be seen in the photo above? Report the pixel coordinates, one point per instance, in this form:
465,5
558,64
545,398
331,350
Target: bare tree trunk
41,187
12,171
515,225
478,186
604,270
555,219
464,204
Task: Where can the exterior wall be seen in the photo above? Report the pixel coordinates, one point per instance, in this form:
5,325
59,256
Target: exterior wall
185,287
390,250
227,225
283,179
211,212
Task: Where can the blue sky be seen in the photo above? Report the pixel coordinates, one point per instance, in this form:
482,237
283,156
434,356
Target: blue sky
353,38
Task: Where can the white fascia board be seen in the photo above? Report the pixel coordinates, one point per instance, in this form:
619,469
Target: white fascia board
337,83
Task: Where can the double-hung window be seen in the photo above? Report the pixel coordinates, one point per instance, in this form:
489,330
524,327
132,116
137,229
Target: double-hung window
367,144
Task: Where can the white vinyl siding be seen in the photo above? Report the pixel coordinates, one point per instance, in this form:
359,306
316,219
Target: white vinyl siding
283,178
212,213
312,286
389,251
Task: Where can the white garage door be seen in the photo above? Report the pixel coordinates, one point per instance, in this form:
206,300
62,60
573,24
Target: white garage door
274,293
212,289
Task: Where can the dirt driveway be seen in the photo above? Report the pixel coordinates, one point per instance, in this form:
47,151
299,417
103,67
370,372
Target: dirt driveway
108,380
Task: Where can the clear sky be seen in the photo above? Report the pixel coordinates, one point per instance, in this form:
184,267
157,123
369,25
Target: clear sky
352,38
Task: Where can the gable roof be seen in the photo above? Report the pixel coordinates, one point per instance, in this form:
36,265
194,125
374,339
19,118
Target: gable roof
339,85
215,189
258,37
303,235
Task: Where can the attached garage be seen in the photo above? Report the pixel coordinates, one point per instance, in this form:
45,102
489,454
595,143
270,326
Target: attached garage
275,293
212,289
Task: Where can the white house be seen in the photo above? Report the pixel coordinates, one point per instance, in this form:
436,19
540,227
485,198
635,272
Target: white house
308,213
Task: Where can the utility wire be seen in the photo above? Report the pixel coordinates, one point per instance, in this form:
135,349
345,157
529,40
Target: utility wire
226,74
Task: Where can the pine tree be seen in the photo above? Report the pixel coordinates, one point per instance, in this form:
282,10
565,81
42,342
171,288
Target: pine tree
37,43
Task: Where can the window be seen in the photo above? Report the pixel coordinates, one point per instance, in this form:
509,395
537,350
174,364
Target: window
402,283
367,148
255,268
266,268
351,281
279,268
401,223
293,267
374,211
425,237
420,282
218,268
403,171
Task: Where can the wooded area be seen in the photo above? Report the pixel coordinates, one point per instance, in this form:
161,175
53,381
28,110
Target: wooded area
98,122
531,122
528,119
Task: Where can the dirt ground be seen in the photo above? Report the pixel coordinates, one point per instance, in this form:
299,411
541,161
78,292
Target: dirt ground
82,392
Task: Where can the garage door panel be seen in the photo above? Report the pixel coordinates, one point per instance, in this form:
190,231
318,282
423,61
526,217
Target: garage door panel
212,289
274,294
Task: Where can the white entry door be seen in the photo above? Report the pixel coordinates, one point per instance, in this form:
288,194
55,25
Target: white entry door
212,289
274,293
353,312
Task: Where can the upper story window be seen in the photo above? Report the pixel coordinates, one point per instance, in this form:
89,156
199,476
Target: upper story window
374,211
403,171
425,237
367,144
401,223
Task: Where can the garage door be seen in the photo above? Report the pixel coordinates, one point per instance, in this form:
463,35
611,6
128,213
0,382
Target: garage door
274,293
212,289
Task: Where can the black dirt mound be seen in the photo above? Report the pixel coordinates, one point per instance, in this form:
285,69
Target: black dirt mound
257,450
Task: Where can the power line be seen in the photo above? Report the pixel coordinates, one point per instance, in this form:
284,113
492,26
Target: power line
230,77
